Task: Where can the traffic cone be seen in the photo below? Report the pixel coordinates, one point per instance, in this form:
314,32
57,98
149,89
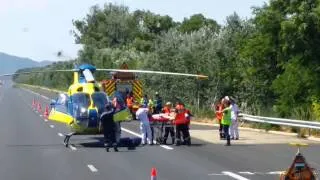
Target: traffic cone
46,112
33,103
39,107
153,174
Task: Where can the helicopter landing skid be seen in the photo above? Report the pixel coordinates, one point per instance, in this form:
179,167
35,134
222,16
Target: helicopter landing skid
67,138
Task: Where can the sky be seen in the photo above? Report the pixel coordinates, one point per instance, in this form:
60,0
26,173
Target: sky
38,29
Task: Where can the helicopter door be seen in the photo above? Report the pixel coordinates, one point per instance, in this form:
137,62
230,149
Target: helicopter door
100,99
62,103
80,103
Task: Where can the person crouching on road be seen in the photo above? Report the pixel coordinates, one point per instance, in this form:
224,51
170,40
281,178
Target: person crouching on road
109,127
181,123
226,120
142,116
168,130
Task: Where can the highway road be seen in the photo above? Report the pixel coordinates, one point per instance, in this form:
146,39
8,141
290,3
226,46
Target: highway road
31,148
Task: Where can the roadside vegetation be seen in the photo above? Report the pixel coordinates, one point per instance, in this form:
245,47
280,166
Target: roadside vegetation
269,63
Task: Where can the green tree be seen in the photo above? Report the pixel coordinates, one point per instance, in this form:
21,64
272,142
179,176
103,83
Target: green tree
197,21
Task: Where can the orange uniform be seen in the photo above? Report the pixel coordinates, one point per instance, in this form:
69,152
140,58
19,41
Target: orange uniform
166,110
219,113
129,101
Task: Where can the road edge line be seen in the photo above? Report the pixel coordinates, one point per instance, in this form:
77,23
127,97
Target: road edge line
234,175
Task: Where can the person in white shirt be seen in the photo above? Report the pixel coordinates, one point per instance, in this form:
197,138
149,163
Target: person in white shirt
234,130
142,116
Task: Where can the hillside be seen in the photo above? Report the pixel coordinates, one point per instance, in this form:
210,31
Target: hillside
10,63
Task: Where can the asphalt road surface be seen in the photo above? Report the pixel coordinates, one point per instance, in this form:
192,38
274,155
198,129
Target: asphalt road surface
31,148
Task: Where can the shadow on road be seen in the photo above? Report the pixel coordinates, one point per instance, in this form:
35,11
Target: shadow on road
48,146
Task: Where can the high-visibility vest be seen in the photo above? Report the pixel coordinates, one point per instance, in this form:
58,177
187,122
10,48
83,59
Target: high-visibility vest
129,101
219,115
181,118
226,119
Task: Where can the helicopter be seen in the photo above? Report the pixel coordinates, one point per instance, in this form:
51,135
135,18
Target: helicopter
80,107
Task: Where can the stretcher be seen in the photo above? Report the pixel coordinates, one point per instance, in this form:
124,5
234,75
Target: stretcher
158,123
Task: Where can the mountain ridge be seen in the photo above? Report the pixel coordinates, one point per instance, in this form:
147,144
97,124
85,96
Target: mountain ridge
11,63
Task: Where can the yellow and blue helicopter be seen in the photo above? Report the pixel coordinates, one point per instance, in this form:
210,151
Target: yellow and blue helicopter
79,108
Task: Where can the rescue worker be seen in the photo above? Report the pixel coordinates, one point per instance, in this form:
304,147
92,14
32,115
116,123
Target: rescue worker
168,130
151,106
158,102
129,102
144,100
151,111
118,104
109,127
142,116
181,123
226,119
234,130
188,117
218,108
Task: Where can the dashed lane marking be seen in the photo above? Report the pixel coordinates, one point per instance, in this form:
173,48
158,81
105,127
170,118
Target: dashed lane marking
234,175
216,174
60,134
227,173
92,168
138,135
52,126
72,147
246,172
275,172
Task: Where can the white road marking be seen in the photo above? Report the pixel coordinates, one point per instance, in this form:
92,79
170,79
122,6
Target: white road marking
139,135
216,174
233,175
72,147
246,172
46,120
60,134
131,132
164,146
45,97
40,115
92,168
275,172
52,126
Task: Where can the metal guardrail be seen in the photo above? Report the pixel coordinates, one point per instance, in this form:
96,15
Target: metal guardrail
281,121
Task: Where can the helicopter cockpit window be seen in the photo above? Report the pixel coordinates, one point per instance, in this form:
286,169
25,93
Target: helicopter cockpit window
80,104
62,99
81,99
100,99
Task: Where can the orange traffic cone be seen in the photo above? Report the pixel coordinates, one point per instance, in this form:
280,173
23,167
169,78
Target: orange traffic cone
33,103
153,174
39,107
46,112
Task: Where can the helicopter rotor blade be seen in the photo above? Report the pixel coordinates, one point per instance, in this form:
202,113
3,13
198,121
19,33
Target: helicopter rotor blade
154,72
36,72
